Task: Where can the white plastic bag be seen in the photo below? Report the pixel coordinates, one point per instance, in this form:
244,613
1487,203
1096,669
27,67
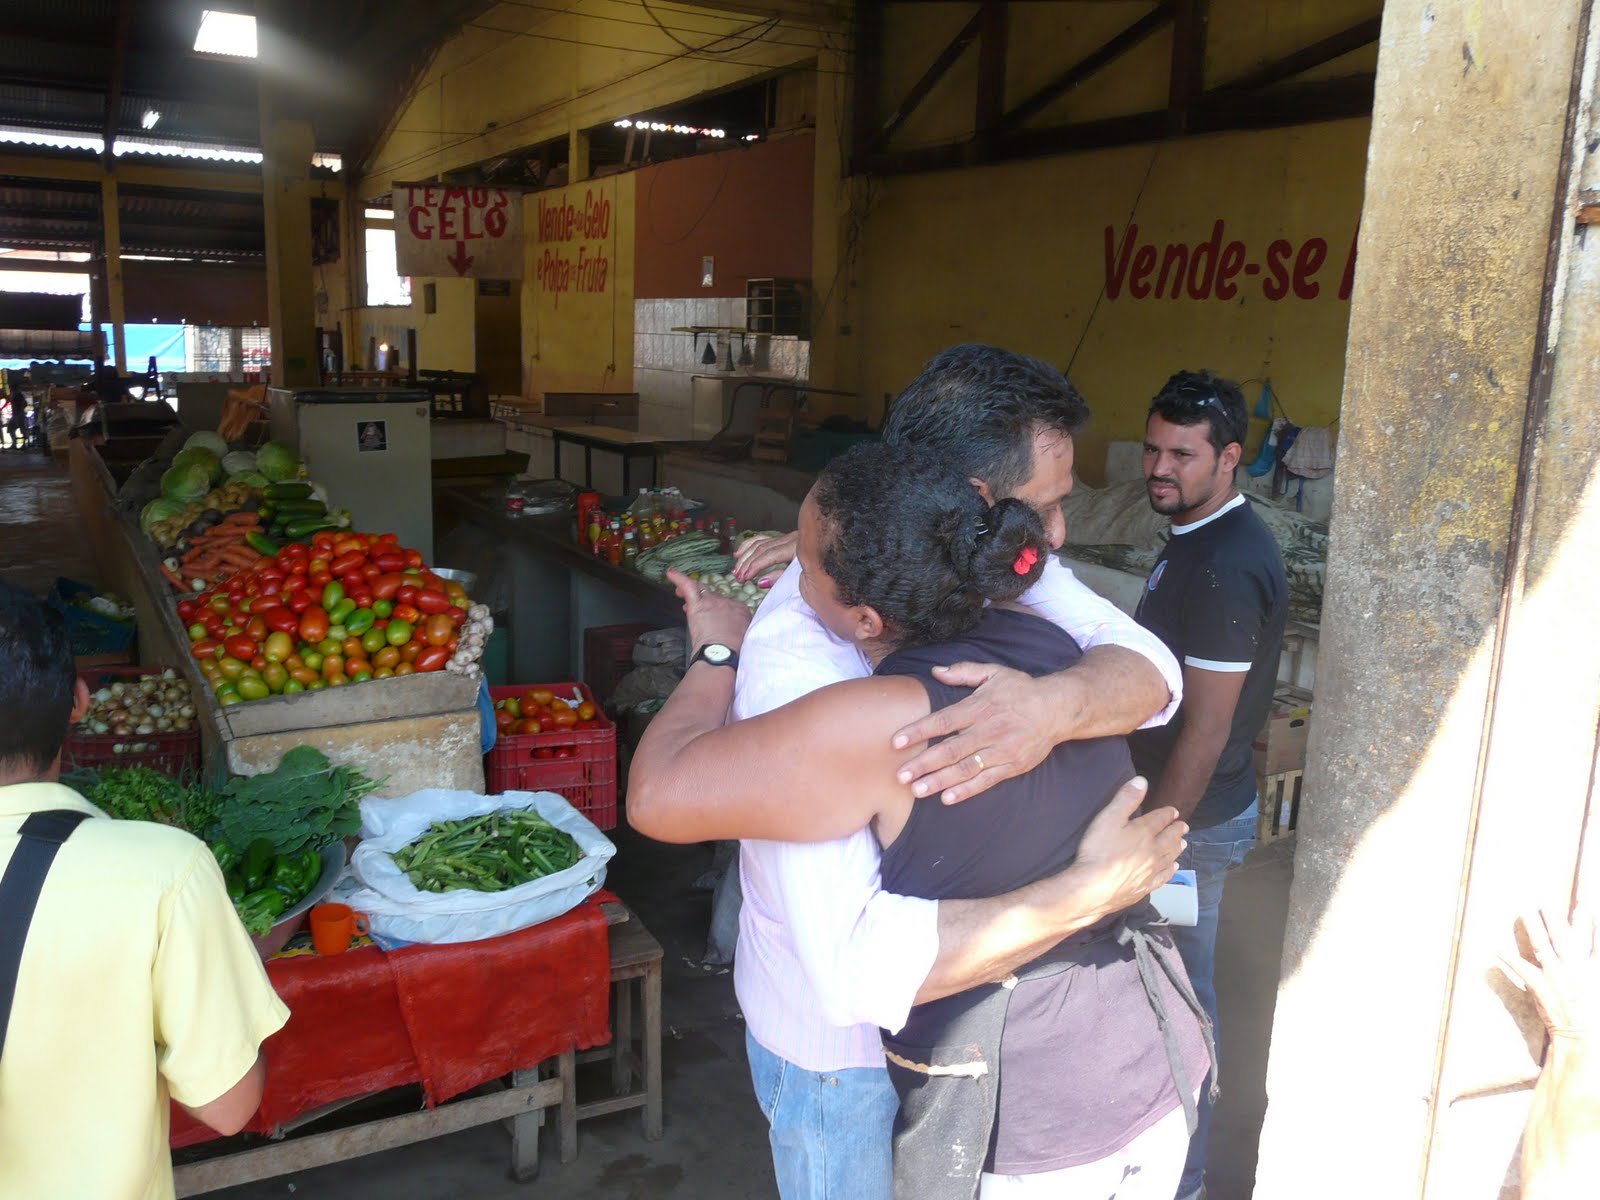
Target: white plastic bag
399,910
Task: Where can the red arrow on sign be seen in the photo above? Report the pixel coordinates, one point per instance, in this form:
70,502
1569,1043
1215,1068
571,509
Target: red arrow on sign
460,260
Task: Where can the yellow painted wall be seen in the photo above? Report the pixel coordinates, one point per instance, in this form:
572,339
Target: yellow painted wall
577,287
445,338
1017,255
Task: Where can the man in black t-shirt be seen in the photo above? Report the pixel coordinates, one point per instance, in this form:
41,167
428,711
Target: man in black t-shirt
1218,599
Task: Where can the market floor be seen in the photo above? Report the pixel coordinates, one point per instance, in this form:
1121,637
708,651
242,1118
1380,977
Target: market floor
39,535
715,1145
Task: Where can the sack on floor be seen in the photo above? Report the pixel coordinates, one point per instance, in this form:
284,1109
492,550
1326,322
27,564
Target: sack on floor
398,910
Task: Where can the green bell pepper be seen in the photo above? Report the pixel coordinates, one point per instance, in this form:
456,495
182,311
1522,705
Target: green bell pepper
259,909
257,864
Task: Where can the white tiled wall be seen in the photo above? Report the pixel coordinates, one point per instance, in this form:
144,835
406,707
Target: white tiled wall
665,362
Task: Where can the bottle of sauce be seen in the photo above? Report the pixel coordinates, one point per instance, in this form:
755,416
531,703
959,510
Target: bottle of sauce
614,543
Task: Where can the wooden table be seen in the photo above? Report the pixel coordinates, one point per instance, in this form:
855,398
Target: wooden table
632,446
521,1102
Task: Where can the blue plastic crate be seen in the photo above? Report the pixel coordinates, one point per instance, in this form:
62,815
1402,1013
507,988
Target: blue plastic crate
89,632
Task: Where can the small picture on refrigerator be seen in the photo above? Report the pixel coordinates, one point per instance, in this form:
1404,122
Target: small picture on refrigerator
372,436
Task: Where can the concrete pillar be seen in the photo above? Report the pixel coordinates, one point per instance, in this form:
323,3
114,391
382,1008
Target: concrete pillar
835,331
577,155
116,308
286,198
1459,692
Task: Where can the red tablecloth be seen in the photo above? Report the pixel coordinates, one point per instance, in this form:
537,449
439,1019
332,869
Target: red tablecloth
447,1017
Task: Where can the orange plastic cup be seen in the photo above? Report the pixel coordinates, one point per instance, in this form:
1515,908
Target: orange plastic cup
333,925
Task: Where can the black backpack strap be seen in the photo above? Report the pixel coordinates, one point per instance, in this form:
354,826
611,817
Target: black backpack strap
41,836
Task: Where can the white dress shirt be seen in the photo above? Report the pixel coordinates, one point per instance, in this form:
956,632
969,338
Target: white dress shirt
825,956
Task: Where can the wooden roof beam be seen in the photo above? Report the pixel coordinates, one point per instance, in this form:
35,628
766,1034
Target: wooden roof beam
1091,63
119,69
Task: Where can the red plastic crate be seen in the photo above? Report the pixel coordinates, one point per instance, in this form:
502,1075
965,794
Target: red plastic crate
608,655
174,753
587,780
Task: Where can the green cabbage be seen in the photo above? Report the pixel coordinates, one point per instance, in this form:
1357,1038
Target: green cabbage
254,478
201,457
277,462
158,510
236,461
207,440
186,482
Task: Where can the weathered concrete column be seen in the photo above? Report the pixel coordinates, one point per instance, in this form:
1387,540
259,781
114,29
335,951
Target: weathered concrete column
111,231
835,336
577,155
1455,731
286,198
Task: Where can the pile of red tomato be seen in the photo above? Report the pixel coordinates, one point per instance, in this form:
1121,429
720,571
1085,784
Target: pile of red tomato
347,608
539,710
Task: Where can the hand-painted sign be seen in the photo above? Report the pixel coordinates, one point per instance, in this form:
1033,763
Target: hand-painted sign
573,243
1218,268
454,231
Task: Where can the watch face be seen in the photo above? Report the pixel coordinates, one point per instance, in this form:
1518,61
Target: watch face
717,653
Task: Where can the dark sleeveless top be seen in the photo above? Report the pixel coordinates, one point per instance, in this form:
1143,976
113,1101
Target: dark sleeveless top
1083,1070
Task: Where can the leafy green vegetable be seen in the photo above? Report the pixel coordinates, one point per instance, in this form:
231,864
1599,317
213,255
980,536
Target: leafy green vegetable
306,804
141,794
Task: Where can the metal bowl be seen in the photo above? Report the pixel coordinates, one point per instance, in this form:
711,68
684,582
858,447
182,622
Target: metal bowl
286,926
467,579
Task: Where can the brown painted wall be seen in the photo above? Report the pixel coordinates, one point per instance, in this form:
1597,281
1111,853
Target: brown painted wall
750,208
194,293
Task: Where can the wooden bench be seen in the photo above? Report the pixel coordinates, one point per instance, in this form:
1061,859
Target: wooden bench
635,1065
635,1078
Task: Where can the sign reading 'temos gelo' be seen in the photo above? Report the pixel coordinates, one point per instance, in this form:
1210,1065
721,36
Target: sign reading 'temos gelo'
454,231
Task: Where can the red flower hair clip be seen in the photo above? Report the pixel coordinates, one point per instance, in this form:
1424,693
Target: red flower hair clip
1025,560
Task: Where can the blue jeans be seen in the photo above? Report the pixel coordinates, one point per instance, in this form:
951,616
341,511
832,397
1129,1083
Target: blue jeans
832,1133
1211,854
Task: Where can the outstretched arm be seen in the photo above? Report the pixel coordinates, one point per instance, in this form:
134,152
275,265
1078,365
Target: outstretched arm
817,769
1561,1145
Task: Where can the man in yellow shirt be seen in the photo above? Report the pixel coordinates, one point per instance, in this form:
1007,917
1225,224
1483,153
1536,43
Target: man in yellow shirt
136,981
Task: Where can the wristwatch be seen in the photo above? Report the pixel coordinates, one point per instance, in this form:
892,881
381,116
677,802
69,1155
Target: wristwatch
717,655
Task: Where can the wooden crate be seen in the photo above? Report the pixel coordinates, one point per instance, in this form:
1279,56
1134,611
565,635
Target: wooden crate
1278,809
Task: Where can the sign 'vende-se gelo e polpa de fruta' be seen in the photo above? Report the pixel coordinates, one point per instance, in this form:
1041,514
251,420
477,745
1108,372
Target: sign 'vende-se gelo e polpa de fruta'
457,232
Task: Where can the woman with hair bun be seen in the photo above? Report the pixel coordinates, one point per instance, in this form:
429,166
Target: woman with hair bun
1077,1075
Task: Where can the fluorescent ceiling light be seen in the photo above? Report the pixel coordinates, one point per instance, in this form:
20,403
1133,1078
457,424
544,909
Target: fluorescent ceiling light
148,121
228,33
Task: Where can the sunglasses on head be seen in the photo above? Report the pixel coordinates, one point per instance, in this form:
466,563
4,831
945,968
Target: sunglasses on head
1201,403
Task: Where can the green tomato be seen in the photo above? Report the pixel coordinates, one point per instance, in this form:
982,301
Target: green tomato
361,677
332,593
228,698
232,668
358,622
398,633
196,632
383,609
276,675
373,640
277,647
341,610
293,686
337,633
330,645
253,687
316,685
312,659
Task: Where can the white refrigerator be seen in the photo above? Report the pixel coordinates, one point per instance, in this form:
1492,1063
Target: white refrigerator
371,448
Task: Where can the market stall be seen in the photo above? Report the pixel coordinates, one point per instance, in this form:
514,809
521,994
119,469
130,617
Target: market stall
315,710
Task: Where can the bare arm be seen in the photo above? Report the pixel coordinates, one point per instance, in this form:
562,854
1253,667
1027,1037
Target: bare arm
1012,721
1122,859
229,1112
1210,698
1561,1145
816,769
